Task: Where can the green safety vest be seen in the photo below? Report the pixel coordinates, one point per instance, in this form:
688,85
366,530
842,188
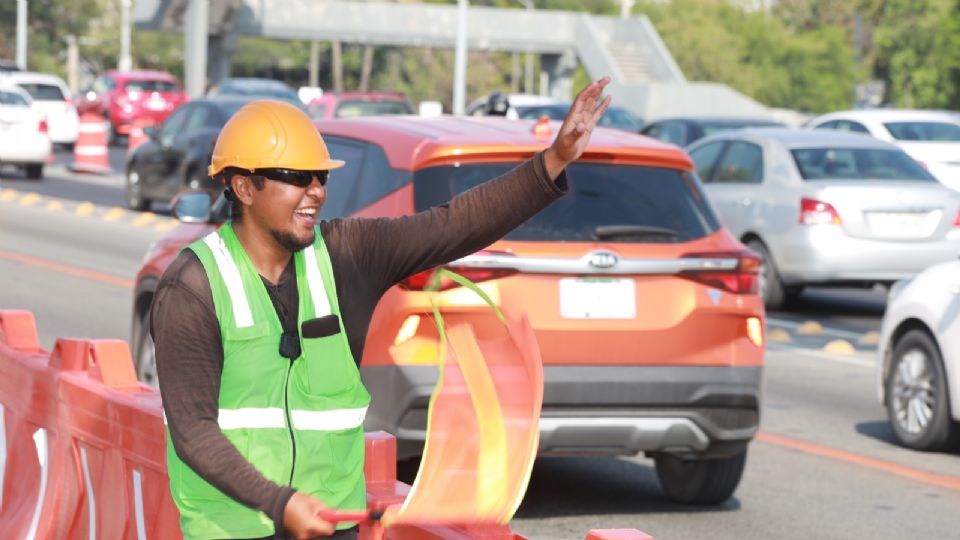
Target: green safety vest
300,422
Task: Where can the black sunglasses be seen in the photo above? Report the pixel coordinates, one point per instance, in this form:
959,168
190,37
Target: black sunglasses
301,179
293,177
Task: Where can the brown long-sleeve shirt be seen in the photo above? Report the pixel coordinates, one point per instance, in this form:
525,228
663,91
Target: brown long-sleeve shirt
368,257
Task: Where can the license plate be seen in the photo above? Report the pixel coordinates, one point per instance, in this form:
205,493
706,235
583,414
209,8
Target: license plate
598,298
903,224
156,104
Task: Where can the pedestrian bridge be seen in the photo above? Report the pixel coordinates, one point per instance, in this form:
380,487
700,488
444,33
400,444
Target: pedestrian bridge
644,76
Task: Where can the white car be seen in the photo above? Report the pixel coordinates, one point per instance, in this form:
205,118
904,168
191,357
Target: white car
508,105
51,96
919,364
930,137
23,132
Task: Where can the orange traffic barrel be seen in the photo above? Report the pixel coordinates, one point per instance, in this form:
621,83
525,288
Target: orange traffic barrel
90,150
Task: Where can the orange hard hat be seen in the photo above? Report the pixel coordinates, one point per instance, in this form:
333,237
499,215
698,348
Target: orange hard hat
271,134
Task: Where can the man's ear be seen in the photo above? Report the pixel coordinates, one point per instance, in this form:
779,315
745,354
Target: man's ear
242,189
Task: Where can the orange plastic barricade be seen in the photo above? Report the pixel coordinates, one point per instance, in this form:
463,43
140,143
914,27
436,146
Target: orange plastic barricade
90,150
482,429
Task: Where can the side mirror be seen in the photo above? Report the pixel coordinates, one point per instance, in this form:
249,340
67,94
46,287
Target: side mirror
150,131
192,206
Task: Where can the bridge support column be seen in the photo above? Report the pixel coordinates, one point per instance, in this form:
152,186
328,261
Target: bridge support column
556,74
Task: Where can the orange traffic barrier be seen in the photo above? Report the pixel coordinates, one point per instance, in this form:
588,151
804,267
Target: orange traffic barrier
82,450
90,150
137,135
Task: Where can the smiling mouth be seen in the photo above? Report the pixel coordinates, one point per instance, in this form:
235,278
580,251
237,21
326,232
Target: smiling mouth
306,213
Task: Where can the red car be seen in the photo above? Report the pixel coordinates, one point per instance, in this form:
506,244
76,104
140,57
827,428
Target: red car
353,104
123,97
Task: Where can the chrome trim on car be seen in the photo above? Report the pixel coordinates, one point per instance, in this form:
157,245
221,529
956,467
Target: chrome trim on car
564,265
632,435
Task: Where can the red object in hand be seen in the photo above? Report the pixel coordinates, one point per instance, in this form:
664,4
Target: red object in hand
339,516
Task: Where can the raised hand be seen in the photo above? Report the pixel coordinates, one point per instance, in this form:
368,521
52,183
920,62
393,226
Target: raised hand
575,132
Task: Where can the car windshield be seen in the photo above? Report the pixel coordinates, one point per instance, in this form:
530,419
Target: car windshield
709,128
615,203
352,109
858,164
12,98
151,86
924,131
43,92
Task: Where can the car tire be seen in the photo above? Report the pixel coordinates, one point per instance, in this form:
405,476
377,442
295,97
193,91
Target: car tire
700,481
146,357
134,188
771,286
917,397
34,171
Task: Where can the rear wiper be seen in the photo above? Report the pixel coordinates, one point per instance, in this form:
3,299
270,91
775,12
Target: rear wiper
608,232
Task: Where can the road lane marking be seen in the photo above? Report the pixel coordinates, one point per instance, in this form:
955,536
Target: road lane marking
940,480
114,214
858,359
66,269
85,209
164,226
29,199
144,218
791,325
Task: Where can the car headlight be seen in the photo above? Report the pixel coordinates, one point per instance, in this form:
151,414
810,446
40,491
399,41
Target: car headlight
897,288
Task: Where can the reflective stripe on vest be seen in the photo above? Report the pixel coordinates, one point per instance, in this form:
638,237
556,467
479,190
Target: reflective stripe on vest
272,417
231,276
321,303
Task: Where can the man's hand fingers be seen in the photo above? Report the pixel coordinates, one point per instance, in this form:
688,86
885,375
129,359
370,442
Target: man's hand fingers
598,113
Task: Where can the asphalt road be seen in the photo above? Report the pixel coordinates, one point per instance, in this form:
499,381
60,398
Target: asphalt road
824,465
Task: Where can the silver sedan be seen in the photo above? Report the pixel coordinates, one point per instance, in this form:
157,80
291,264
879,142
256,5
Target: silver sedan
825,208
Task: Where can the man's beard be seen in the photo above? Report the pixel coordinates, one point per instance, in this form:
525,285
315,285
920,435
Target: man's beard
291,242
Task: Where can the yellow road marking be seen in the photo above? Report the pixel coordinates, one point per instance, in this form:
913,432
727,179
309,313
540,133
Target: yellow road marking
114,214
779,335
166,225
8,195
810,328
85,209
144,218
29,199
870,338
839,346
55,206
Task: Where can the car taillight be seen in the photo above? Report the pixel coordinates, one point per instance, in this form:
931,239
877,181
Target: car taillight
43,126
956,220
733,271
814,212
474,270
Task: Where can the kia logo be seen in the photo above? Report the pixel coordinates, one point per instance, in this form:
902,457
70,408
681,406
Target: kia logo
603,259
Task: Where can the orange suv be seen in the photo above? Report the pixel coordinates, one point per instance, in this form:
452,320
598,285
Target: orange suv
644,306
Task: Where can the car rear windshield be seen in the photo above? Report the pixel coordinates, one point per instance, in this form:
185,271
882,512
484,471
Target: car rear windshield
709,128
43,92
858,164
352,109
924,131
614,203
12,98
151,86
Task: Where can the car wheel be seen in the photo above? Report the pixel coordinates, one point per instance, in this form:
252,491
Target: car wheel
918,404
135,198
771,286
700,481
146,359
34,171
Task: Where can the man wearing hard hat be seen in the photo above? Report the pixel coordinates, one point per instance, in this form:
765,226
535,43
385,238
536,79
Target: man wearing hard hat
260,325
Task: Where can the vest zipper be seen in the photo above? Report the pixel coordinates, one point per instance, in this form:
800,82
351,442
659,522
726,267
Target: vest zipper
286,409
